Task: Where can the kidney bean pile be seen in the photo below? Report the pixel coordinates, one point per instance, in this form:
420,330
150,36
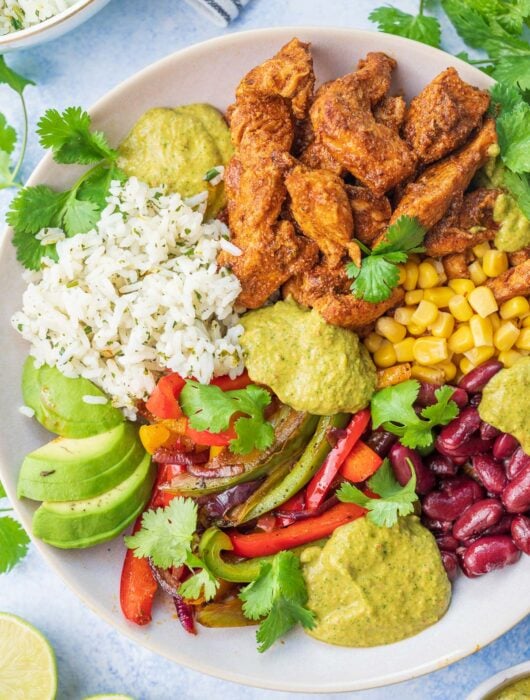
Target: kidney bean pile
474,487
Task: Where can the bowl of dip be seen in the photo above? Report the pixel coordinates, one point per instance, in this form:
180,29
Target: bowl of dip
510,684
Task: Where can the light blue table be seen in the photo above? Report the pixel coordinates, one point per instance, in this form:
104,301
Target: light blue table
78,69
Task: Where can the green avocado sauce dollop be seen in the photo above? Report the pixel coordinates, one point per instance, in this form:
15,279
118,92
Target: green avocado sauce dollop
177,147
309,364
520,690
373,585
505,402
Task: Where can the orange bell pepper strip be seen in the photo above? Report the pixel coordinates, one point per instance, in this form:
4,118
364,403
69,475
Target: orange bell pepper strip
320,483
163,402
361,463
260,544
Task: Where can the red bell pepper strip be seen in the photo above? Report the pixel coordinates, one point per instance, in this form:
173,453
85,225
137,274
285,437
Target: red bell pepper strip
205,437
361,463
294,504
260,544
163,402
320,483
138,586
227,384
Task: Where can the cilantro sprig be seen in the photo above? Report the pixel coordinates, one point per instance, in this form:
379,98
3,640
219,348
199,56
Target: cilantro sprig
168,537
378,274
14,541
210,408
76,210
393,408
419,27
395,500
279,596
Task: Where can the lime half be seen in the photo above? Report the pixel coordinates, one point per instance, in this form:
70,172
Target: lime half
27,661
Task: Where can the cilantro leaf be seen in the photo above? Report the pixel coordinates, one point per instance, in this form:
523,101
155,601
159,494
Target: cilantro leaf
395,500
379,272
10,77
279,595
14,543
519,186
201,583
514,70
444,410
208,407
95,188
79,216
507,97
69,136
513,130
8,136
418,27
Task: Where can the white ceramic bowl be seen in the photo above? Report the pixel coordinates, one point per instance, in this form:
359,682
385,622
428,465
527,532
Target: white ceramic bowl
481,610
500,680
51,28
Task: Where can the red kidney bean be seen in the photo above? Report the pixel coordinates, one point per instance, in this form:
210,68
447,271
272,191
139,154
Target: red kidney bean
477,379
399,454
467,448
488,432
521,533
489,472
450,562
437,526
505,445
447,505
460,397
475,399
502,527
459,429
381,441
517,462
489,553
476,518
516,495
426,395
441,465
457,483
447,542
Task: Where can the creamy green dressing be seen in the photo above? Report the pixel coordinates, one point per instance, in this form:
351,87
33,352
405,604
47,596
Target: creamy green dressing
520,690
373,585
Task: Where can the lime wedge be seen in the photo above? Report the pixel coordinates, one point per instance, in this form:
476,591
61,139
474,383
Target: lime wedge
27,661
110,696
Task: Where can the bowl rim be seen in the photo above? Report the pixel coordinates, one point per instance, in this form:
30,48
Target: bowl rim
200,665
500,680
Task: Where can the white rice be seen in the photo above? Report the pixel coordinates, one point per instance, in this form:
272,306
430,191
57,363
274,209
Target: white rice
21,14
140,294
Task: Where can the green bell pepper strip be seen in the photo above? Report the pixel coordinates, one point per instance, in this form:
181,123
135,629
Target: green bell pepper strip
300,474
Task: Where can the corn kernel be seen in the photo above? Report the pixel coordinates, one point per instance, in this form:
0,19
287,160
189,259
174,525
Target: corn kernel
477,273
523,341
403,314
443,325
505,336
428,275
433,375
509,357
385,355
416,328
494,263
404,350
390,329
480,250
449,370
460,308
479,355
481,330
430,350
461,341
402,274
413,297
495,321
439,296
483,301
518,306
439,267
373,342
526,322
425,314
466,366
411,275
461,285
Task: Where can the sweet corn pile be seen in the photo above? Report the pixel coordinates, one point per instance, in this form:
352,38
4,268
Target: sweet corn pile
449,327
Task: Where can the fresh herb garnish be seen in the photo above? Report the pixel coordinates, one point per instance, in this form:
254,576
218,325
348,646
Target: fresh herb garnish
378,274
210,408
14,541
211,174
395,500
279,595
167,537
419,27
393,408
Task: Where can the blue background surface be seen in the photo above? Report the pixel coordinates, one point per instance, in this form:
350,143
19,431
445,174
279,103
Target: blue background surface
78,69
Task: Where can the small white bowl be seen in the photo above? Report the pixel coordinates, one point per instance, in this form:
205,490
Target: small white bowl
500,680
51,28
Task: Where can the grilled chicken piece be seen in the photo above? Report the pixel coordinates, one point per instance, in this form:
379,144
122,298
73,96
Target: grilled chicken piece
472,223
443,115
391,112
371,214
327,289
455,266
429,197
345,125
512,283
519,256
289,74
321,208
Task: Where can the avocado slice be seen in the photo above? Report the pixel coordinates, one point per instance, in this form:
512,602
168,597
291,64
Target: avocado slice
59,406
69,469
81,524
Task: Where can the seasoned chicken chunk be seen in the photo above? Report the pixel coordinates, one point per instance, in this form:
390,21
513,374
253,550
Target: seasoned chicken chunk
443,115
512,283
288,74
391,112
519,256
455,266
345,125
371,214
